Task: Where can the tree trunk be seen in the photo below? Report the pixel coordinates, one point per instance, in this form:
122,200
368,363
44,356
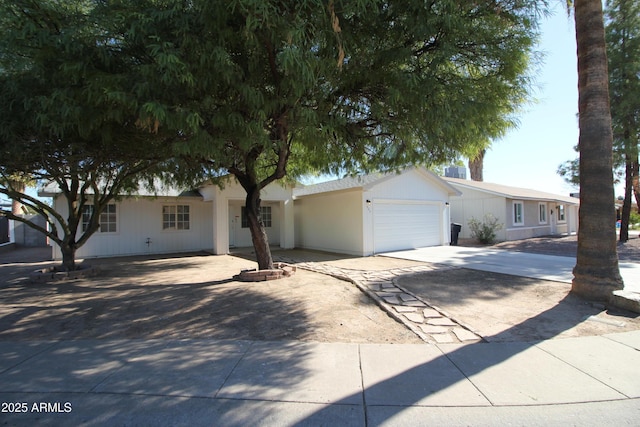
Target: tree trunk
626,205
635,181
68,257
596,274
476,166
16,206
258,233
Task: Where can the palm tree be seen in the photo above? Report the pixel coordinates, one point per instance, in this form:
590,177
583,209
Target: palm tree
596,274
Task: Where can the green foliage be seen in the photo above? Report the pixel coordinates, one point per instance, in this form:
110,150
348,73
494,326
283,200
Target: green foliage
485,231
69,114
634,220
623,53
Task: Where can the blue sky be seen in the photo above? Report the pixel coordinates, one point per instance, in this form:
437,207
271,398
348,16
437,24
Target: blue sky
529,155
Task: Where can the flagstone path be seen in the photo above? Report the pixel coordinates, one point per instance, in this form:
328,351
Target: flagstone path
430,323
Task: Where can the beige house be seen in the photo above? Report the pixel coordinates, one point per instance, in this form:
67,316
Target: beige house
374,213
524,213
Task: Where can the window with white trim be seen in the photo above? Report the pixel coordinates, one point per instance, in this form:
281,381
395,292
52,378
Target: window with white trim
176,217
561,213
265,214
518,213
108,218
542,213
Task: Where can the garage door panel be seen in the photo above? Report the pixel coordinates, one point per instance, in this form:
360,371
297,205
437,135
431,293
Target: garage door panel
400,225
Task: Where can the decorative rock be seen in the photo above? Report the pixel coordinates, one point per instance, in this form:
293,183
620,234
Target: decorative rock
407,297
430,312
431,329
405,309
464,334
51,275
281,270
442,321
391,300
414,317
415,303
443,338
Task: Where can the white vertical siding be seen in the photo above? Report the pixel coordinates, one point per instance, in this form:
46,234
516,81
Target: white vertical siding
330,222
139,219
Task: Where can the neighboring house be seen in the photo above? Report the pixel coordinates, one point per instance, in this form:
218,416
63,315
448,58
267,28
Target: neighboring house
525,213
374,213
208,219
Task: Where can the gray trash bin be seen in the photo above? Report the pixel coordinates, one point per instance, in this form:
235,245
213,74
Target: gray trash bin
455,231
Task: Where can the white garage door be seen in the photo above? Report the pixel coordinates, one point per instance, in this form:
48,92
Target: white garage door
401,225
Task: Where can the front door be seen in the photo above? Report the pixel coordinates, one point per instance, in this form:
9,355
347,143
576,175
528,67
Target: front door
234,217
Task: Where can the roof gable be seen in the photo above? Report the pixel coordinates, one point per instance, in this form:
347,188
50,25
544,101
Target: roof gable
366,182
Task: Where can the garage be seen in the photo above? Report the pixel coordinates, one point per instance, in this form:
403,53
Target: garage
376,213
405,224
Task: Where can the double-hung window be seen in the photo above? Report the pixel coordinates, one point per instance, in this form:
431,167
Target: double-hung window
265,215
108,218
176,217
542,213
518,213
561,214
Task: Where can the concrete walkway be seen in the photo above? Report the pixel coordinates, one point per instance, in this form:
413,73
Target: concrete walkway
583,381
547,267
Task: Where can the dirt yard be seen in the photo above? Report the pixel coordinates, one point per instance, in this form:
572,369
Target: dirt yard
196,296
190,297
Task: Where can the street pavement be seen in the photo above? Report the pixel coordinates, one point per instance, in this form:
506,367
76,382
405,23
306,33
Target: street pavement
586,381
574,381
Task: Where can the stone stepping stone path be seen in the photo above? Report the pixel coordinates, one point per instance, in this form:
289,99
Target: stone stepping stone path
430,323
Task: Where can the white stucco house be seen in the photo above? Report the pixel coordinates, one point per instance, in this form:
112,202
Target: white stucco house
374,213
207,219
525,213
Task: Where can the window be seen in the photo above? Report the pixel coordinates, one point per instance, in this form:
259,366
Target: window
561,213
175,217
108,218
265,214
542,213
518,214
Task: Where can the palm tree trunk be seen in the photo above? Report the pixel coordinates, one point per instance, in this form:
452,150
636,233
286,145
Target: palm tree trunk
476,166
16,206
596,274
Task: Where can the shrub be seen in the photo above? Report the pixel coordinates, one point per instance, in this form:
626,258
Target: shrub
634,220
485,231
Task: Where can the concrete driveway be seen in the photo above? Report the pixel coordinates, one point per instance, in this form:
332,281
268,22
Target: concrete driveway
546,267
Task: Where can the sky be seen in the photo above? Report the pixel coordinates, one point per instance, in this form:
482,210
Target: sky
529,155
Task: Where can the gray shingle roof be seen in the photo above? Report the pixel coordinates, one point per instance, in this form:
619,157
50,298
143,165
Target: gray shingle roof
510,192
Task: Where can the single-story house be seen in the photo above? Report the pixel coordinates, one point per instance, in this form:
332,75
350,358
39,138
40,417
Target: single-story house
374,213
168,220
524,213
356,215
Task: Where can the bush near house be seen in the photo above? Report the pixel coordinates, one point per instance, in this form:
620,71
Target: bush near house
485,231
634,220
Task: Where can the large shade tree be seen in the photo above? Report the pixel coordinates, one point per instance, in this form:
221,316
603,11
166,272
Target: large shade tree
69,117
623,50
596,273
260,89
